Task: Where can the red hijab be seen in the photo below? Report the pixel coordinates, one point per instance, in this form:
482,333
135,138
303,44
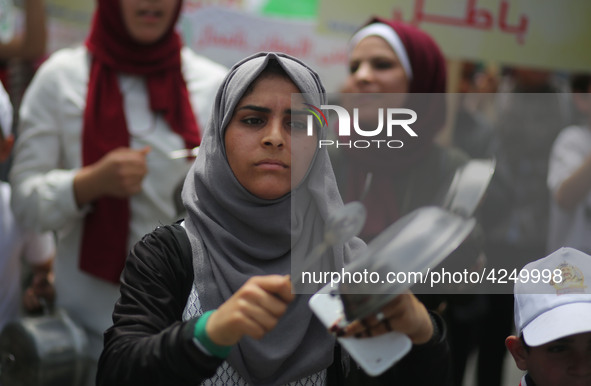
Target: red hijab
106,227
428,77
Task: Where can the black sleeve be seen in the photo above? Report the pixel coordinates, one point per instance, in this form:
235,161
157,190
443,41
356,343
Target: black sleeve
149,344
426,364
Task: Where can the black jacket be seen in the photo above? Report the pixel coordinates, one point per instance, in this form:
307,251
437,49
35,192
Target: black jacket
149,344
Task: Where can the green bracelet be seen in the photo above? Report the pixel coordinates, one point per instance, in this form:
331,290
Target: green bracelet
200,334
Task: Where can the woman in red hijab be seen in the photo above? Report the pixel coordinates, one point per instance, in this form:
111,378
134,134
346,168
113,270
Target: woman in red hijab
407,172
393,64
93,161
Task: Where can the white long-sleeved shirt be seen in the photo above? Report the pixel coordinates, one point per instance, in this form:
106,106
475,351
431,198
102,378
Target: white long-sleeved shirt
17,244
48,156
569,228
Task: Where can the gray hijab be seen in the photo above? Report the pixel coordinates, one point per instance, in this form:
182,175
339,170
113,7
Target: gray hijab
236,235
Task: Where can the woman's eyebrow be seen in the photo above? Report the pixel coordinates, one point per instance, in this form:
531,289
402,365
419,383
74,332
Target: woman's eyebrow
268,110
255,108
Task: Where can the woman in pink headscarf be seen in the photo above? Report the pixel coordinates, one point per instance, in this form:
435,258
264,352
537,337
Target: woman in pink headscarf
404,62
395,65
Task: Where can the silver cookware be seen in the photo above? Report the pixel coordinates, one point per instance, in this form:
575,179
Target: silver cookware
43,350
417,242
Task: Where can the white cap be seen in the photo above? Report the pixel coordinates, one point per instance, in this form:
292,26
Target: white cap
5,112
559,304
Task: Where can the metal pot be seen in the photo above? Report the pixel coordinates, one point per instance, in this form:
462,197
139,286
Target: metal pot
43,351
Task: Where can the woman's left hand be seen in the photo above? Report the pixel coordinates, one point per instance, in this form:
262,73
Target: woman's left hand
405,314
41,290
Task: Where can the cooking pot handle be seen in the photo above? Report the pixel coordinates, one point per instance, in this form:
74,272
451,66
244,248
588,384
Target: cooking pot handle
6,361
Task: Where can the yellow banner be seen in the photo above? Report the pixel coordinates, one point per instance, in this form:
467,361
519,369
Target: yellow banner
536,33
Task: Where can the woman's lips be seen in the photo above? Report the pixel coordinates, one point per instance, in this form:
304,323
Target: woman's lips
149,16
270,164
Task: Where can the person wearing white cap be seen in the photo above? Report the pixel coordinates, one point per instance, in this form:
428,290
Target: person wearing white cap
553,320
37,249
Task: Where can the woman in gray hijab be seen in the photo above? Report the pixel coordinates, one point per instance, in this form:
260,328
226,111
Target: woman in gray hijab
209,301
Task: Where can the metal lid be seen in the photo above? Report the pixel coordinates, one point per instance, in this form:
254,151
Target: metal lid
413,244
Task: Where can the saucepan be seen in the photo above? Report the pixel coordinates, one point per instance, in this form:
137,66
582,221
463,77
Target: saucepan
43,350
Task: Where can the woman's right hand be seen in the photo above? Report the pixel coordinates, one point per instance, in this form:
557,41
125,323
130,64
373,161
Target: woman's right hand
253,310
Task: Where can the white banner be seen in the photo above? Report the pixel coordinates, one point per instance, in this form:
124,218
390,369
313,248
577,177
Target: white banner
227,36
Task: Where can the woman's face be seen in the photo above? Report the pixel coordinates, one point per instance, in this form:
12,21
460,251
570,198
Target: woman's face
148,20
261,135
375,68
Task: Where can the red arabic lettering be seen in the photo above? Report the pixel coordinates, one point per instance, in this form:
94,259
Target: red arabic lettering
519,31
301,49
198,5
336,57
474,17
210,37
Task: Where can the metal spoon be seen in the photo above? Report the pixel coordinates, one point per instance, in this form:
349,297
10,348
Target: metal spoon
184,153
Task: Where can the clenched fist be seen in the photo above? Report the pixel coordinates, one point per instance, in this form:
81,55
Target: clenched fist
253,310
118,174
